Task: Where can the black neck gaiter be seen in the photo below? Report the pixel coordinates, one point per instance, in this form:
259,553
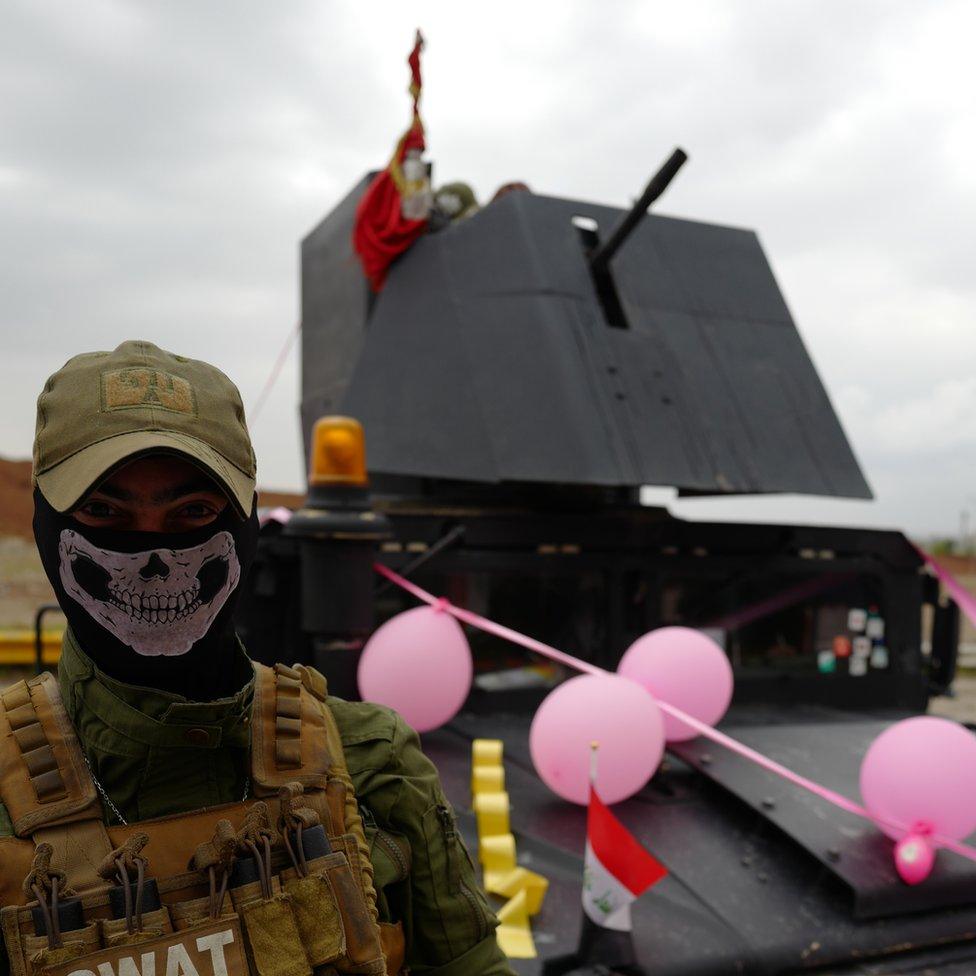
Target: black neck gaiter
152,608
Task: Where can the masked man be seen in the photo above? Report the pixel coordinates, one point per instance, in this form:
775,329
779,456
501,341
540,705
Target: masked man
332,848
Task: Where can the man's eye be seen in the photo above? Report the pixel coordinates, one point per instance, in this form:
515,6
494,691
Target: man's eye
98,509
197,510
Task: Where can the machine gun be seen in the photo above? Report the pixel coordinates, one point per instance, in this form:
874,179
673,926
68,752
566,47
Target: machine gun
600,258
599,254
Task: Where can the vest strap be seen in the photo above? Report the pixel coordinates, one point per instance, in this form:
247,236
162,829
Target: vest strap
292,718
289,733
44,780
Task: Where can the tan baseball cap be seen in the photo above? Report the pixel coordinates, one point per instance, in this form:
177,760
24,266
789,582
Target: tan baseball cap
105,408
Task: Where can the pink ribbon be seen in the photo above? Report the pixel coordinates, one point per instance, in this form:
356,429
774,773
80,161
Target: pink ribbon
506,633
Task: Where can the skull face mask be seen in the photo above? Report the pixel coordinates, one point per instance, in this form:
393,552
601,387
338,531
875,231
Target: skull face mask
160,601
152,608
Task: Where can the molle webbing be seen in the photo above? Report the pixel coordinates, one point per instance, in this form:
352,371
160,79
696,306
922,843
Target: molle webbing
288,718
44,781
46,785
172,841
316,736
289,734
35,749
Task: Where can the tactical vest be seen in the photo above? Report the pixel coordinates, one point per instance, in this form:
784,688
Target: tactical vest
233,890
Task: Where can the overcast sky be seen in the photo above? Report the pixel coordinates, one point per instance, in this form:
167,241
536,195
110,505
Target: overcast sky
159,163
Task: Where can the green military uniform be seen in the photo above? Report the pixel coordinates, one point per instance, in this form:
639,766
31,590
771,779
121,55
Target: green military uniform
145,747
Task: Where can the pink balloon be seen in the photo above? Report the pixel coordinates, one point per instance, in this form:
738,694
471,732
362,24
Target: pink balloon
921,772
419,664
610,710
914,858
684,668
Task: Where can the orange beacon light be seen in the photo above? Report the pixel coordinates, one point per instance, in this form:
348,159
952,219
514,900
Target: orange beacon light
339,536
338,454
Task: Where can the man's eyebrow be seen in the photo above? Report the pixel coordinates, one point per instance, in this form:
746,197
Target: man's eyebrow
111,491
187,488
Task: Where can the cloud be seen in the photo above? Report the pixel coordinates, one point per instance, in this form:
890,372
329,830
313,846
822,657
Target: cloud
160,162
934,422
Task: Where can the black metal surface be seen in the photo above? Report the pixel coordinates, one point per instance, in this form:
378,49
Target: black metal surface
487,357
616,544
611,546
946,628
335,303
339,536
741,896
846,845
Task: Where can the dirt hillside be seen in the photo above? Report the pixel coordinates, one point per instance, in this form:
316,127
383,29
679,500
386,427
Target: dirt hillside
16,504
272,499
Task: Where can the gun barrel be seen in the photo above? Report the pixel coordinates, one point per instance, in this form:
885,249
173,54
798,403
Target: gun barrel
657,185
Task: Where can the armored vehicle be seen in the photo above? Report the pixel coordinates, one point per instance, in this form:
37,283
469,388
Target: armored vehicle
521,375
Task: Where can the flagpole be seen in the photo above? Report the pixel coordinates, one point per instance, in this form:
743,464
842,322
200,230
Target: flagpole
616,872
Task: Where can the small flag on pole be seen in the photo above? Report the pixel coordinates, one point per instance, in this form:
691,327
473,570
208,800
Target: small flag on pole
617,870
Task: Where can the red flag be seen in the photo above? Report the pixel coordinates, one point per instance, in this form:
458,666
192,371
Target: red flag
617,869
381,231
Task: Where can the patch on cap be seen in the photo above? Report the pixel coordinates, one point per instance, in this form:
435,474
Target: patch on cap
135,387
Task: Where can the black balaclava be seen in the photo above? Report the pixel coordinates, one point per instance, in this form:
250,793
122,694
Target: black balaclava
152,608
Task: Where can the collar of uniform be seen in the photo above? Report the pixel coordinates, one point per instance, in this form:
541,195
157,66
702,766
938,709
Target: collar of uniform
149,716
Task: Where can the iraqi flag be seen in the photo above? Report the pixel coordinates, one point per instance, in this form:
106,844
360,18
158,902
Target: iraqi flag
617,869
616,872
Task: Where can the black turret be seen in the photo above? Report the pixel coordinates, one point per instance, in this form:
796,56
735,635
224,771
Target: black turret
492,358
